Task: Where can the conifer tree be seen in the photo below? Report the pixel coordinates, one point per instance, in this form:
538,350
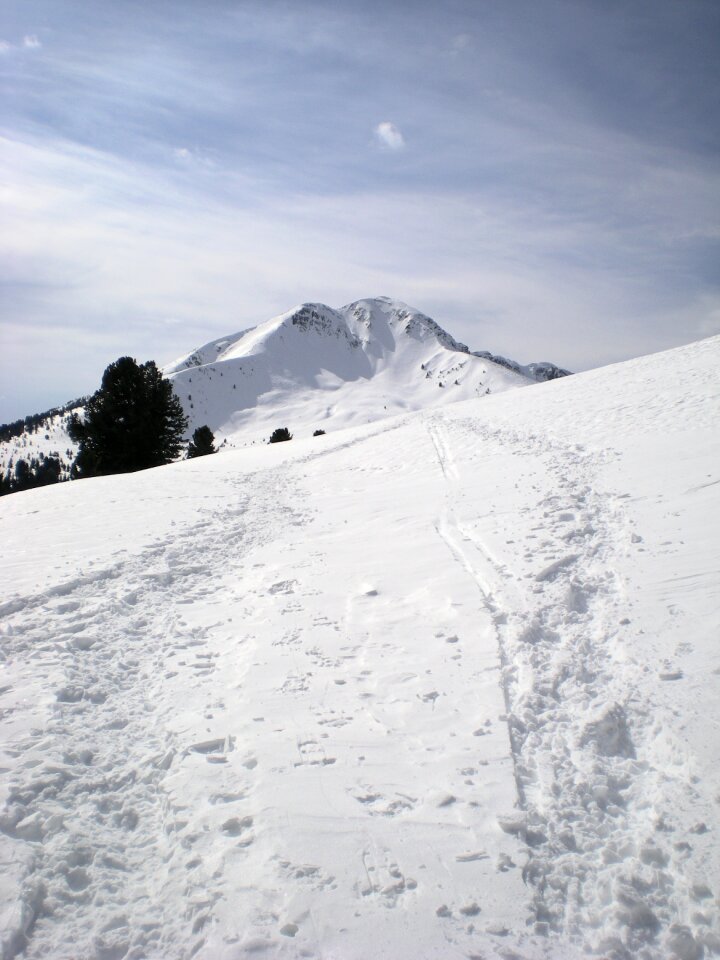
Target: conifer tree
134,421
202,443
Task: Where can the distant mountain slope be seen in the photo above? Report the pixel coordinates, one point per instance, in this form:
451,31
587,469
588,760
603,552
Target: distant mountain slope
314,367
539,372
39,436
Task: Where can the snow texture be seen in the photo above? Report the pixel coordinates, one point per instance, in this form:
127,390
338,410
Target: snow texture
442,685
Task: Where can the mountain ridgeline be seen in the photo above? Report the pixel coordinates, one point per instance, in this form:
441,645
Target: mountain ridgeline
318,367
313,368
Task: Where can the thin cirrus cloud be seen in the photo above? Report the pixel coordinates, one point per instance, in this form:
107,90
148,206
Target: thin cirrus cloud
389,136
29,42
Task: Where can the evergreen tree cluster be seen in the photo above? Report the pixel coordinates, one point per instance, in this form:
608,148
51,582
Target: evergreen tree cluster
134,421
33,423
282,434
37,472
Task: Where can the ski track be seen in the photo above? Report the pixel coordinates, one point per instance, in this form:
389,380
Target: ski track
609,853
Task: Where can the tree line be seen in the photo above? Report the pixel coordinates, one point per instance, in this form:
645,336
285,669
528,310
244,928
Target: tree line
133,422
35,421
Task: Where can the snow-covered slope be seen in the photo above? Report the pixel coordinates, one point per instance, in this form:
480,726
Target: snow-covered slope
441,686
309,369
319,368
47,438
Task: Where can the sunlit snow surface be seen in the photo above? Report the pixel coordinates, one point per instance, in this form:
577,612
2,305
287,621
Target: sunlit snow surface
441,686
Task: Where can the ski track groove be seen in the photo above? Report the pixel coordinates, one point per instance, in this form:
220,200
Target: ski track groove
597,818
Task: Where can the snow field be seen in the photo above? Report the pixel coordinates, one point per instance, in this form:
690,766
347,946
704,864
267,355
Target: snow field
445,686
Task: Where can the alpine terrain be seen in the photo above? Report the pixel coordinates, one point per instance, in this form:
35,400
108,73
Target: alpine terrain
314,367
442,683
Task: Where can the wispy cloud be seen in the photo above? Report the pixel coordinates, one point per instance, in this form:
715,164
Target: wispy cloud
29,42
193,157
460,42
389,136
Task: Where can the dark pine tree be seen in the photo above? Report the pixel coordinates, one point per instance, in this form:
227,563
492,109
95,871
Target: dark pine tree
202,443
280,435
38,472
134,421
48,471
23,477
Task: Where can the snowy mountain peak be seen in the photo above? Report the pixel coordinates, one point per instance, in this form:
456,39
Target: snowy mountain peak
374,325
312,367
383,313
320,366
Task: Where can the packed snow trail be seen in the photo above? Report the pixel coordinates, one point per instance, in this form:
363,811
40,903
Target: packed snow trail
256,746
439,687
605,862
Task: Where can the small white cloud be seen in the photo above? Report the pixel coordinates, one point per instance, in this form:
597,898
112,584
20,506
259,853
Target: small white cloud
461,42
389,136
4,46
195,158
31,42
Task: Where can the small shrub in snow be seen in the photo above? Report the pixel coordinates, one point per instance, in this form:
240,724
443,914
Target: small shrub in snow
280,435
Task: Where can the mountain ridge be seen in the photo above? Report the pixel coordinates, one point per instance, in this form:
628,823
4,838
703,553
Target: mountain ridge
280,365
310,367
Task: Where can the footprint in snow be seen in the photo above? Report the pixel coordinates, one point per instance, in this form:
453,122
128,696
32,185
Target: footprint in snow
378,805
283,586
429,697
236,826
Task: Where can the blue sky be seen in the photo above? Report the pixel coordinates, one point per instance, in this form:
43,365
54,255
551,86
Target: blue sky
541,177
